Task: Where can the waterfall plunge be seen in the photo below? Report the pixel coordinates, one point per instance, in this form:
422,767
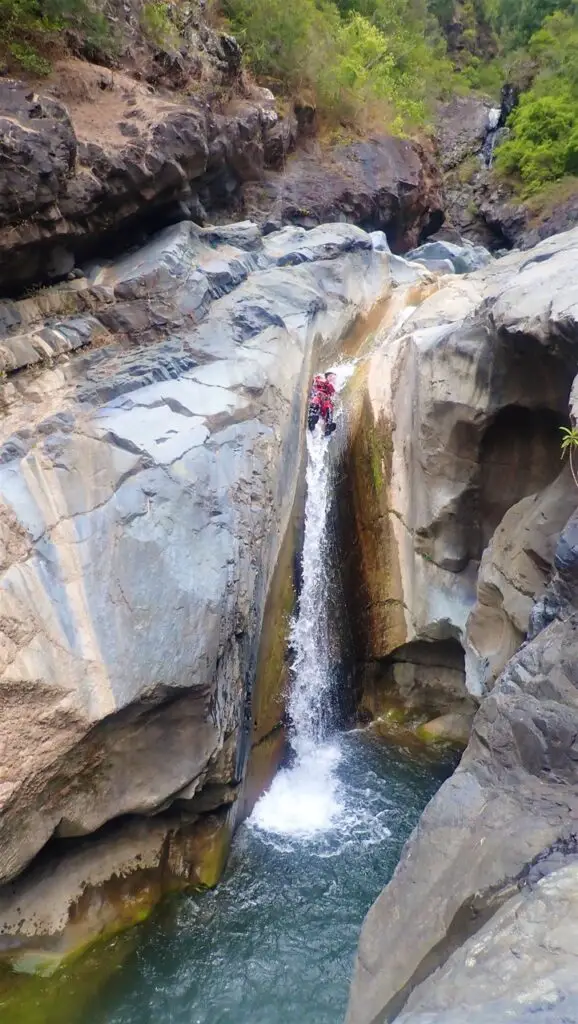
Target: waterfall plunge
304,799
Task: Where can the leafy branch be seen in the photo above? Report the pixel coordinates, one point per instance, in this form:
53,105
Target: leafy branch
568,446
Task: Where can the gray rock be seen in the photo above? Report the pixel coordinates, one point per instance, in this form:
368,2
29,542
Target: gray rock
514,571
148,473
463,258
472,258
383,182
379,241
461,410
439,266
511,806
462,128
66,184
521,966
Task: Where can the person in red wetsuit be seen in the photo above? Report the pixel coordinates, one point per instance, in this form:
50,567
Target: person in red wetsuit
321,402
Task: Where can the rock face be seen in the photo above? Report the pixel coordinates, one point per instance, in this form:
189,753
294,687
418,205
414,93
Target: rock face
477,203
429,479
382,183
105,153
465,890
521,965
462,129
514,571
149,467
101,160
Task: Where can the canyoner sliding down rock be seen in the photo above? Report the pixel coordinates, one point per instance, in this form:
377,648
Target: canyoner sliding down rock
159,438
443,512
303,798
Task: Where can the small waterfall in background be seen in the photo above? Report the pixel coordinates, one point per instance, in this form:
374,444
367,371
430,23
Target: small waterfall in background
303,799
493,135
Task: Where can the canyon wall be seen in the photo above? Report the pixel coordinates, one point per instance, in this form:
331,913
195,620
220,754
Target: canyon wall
152,438
463,411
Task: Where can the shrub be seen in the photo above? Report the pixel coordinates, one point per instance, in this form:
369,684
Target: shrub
543,146
158,26
357,57
30,28
544,133
517,20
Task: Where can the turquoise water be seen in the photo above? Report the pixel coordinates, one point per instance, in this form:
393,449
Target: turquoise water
274,943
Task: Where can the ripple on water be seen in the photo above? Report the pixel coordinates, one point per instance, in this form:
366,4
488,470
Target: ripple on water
274,943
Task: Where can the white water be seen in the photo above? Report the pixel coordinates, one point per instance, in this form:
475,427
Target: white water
304,799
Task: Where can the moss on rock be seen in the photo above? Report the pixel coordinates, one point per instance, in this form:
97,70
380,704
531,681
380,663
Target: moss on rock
451,730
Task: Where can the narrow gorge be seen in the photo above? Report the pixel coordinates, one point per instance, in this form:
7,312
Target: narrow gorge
288,722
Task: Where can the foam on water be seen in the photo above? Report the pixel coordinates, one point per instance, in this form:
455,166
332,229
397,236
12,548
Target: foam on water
304,800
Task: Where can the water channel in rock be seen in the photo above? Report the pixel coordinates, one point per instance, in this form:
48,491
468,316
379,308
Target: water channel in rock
274,943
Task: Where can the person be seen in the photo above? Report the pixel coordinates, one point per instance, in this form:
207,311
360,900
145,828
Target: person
321,402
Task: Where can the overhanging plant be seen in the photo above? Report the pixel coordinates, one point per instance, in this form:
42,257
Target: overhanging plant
569,445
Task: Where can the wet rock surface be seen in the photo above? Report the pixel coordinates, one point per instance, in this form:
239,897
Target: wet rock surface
466,895
151,445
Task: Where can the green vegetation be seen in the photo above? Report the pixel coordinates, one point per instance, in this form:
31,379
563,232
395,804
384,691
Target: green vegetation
544,142
516,21
31,29
569,445
358,59
368,63
388,62
158,26
569,440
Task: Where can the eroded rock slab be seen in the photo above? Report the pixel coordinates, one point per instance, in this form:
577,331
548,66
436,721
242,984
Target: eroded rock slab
514,571
147,481
521,966
455,418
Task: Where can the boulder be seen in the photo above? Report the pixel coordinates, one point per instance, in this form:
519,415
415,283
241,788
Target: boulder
521,966
463,259
514,571
149,465
453,729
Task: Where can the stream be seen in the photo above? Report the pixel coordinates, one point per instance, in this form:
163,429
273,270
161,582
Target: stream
274,942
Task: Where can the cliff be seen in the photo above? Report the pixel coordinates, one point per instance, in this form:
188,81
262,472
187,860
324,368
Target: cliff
489,876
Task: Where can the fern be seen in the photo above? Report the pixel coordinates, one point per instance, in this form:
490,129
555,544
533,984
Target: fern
568,445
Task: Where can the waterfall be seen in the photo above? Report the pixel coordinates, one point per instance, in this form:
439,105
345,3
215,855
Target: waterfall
492,135
303,799
308,703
